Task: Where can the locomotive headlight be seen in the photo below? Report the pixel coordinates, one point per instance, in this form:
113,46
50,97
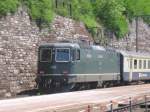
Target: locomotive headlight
53,67
65,72
41,72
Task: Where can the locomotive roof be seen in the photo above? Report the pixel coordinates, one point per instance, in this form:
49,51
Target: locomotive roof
95,47
76,45
61,45
135,54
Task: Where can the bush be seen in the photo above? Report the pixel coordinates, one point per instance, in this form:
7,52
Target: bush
8,6
62,7
110,12
83,11
138,8
40,11
113,14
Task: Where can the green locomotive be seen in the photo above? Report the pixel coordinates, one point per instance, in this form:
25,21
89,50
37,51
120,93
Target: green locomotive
72,66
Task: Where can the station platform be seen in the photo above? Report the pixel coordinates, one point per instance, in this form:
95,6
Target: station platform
97,100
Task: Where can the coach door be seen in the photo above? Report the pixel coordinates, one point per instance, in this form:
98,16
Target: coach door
130,68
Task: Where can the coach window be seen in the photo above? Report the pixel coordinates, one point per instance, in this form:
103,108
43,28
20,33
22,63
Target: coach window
148,64
135,64
78,55
144,64
140,64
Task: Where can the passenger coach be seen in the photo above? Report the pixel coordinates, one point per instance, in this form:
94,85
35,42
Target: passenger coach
135,66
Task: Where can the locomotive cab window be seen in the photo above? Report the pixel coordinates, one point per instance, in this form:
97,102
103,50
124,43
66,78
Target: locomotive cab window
73,57
62,55
45,55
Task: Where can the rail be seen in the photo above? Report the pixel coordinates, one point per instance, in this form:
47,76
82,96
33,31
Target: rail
117,99
130,106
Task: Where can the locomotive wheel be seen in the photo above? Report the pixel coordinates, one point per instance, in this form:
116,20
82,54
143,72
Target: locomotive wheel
105,85
81,86
93,85
68,87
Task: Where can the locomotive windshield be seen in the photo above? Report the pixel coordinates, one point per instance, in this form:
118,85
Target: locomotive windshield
45,55
62,55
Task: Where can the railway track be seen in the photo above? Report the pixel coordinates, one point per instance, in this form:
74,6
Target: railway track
37,92
76,101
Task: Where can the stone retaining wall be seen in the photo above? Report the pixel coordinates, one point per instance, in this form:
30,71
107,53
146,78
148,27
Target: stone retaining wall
129,42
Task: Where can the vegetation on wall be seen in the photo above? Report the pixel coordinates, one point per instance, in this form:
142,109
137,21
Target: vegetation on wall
112,14
137,7
40,11
8,6
83,11
140,8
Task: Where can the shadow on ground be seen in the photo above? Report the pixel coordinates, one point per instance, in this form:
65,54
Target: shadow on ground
35,92
29,92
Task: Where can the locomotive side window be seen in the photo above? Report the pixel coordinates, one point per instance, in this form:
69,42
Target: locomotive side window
62,55
45,55
74,55
135,64
78,55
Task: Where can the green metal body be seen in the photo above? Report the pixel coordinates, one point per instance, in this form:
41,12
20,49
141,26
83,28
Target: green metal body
96,64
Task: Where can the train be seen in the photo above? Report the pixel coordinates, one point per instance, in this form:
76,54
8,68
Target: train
70,66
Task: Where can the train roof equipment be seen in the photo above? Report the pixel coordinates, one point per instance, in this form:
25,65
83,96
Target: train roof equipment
135,54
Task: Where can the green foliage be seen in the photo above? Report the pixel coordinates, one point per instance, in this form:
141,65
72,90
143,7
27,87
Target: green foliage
83,11
138,8
62,7
40,11
8,6
113,14
110,12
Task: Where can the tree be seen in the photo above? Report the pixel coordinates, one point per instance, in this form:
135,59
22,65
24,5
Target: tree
40,11
110,13
8,6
